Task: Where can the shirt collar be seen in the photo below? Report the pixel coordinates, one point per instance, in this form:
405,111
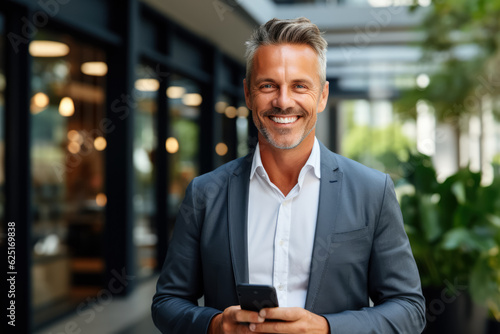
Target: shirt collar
314,163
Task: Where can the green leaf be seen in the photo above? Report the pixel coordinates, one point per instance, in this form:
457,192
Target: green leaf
458,189
430,218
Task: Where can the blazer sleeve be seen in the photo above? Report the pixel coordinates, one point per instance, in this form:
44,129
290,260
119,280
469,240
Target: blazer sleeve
393,280
175,305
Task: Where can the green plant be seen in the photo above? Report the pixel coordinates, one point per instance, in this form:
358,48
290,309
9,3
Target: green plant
454,229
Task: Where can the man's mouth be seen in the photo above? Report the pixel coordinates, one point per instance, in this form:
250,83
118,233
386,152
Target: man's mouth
284,120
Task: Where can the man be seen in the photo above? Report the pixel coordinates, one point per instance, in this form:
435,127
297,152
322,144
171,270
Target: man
326,231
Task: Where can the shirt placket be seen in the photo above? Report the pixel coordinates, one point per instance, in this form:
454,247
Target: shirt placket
281,242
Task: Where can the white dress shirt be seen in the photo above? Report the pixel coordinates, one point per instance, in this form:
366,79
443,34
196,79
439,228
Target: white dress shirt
281,230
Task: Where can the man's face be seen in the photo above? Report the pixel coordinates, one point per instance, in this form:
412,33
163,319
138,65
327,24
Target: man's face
285,93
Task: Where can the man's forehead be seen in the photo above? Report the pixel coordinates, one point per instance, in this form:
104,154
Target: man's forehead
291,58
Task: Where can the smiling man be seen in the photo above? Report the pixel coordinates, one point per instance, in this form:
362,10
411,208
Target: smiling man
325,231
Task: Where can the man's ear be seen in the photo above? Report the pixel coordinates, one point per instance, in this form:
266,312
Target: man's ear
248,100
323,99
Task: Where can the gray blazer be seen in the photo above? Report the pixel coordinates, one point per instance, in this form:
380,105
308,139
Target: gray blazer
361,251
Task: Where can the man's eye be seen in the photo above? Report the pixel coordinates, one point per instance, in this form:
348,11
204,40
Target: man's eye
300,86
267,86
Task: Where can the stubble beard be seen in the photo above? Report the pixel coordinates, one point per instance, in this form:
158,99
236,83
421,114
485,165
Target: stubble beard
283,132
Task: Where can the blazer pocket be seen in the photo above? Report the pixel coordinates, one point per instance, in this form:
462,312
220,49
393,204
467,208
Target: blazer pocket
351,235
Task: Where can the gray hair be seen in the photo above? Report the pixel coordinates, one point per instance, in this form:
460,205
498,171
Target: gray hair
291,31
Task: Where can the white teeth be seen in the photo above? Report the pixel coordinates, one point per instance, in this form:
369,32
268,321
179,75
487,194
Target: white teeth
284,120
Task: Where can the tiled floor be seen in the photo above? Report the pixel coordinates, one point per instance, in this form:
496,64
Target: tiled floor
130,315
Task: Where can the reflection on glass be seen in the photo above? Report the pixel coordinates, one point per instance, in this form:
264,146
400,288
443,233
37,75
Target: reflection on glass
145,142
67,176
182,144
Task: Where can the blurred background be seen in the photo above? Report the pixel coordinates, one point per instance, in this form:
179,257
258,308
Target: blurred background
108,109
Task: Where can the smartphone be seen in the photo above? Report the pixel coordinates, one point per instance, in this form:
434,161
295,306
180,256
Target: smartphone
254,297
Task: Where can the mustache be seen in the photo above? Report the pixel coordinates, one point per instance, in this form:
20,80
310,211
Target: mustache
284,112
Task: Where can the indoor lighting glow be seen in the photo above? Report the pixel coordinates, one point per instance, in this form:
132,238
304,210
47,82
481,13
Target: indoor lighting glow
221,149
147,85
100,143
243,112
175,92
192,100
231,112
66,107
95,68
39,102
48,49
74,147
220,107
172,145
101,199
75,136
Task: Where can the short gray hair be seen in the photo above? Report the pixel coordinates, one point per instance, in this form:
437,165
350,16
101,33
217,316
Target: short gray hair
291,31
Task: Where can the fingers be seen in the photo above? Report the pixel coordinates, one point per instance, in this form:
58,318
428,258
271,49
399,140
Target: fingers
239,315
283,313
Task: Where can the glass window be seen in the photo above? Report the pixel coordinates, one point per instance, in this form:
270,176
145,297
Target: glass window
372,134
2,134
233,140
145,144
182,143
67,154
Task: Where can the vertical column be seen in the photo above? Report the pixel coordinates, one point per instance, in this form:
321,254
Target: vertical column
17,170
162,172
121,103
208,126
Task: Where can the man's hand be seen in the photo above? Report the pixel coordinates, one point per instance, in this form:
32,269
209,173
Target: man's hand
294,320
234,320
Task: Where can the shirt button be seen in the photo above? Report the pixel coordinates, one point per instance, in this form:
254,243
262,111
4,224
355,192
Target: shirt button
281,287
281,242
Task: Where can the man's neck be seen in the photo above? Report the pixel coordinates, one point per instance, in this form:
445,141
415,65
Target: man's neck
283,166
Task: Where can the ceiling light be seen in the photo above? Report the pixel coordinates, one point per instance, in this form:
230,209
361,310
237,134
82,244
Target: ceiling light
95,68
48,49
175,92
192,100
147,85
243,112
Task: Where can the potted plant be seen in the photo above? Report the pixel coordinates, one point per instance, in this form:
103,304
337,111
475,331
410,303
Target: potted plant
454,231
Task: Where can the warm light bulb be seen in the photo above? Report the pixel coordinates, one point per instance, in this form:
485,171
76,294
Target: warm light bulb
101,199
74,147
100,143
243,112
66,107
221,149
39,102
220,107
172,145
231,112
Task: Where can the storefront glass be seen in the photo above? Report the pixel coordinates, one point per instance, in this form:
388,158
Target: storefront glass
182,144
67,154
145,145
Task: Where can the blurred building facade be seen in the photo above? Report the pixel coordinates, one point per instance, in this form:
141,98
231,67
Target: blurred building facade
108,109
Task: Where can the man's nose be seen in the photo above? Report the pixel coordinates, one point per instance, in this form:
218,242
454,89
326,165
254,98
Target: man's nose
284,99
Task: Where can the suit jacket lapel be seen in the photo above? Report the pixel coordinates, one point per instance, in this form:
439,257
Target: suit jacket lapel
237,218
329,199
